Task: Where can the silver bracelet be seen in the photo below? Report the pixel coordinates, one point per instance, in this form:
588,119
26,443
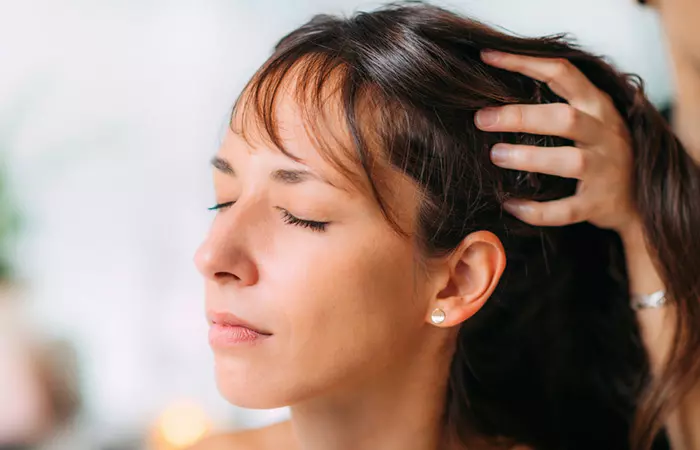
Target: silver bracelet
643,301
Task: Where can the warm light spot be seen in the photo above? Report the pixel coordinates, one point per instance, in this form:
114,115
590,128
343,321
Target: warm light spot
182,424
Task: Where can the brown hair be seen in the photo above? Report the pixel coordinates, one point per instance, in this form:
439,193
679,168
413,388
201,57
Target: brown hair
554,359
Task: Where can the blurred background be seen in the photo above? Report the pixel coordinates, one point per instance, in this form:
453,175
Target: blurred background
109,112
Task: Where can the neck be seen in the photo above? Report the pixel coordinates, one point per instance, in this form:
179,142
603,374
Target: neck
686,113
402,407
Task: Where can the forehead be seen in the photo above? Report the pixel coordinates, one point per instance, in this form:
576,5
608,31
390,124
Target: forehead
291,140
304,123
302,136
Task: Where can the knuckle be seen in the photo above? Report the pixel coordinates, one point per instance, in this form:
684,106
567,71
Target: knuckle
579,161
513,115
538,216
568,214
578,212
559,69
569,116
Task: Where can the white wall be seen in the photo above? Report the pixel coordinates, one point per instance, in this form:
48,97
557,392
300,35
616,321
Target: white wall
109,111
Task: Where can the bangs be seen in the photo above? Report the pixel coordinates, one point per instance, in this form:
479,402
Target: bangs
315,84
340,114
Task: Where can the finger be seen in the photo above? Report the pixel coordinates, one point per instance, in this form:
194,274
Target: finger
567,162
555,213
554,119
563,78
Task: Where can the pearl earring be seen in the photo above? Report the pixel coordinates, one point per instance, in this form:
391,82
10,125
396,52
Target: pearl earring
437,316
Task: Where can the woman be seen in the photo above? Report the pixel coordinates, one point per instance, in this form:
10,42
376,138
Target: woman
362,270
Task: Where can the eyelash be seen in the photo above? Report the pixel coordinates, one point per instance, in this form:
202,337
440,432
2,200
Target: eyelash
288,218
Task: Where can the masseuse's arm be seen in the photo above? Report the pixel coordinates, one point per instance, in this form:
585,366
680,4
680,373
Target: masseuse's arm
602,159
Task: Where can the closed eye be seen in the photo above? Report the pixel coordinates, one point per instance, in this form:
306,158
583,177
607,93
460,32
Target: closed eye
287,216
312,224
221,206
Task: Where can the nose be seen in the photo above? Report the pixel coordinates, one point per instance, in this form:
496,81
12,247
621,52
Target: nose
223,258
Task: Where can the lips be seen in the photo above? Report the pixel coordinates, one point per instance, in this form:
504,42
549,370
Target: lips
226,319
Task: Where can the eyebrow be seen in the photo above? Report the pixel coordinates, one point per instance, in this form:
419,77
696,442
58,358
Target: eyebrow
284,176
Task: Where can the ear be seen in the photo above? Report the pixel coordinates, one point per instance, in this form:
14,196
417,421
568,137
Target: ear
468,277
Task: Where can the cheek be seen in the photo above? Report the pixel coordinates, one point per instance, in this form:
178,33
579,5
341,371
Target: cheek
348,306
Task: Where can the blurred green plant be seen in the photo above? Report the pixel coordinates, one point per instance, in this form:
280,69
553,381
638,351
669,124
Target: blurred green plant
13,116
9,227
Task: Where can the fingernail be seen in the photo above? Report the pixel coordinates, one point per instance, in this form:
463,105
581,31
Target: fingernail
515,207
490,55
486,117
499,154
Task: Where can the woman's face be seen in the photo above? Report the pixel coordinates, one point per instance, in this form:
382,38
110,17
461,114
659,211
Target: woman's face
340,303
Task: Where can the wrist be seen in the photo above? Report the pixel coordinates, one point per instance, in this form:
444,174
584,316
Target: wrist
632,237
643,277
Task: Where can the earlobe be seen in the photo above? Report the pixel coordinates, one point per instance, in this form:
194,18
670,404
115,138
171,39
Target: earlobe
475,268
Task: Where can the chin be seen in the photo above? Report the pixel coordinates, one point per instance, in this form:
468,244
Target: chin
247,389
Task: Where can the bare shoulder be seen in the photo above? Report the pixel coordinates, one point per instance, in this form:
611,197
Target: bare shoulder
271,437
